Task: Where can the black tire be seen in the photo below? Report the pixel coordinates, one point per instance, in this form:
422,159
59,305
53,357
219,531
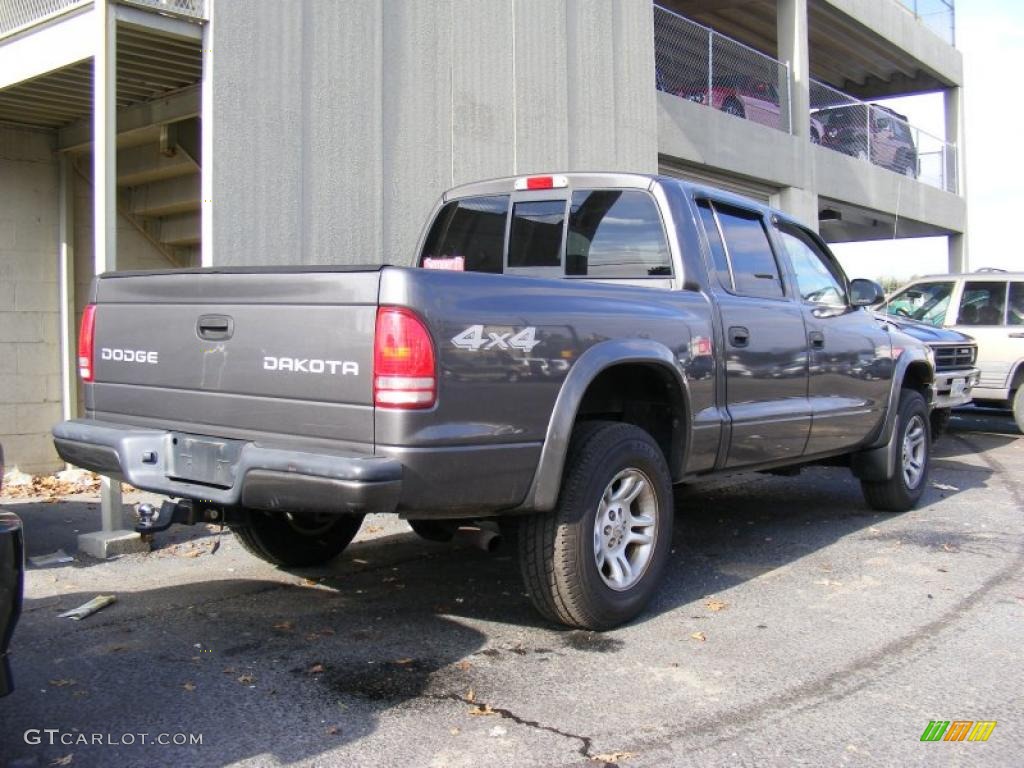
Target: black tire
896,494
1018,408
557,549
940,422
733,107
434,530
296,541
815,138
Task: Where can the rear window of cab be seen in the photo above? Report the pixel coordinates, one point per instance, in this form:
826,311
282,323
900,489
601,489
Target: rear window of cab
596,233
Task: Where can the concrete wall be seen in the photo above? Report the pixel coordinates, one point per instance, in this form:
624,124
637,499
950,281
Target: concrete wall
29,356
336,126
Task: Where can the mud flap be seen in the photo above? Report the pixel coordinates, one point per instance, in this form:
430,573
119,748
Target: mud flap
878,464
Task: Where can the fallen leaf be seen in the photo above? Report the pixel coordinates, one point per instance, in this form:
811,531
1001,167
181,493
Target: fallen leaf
310,582
373,529
246,679
332,730
698,636
453,731
465,666
612,757
950,548
189,686
404,662
66,760
63,683
470,696
945,487
316,669
285,626
716,605
229,670
193,553
484,710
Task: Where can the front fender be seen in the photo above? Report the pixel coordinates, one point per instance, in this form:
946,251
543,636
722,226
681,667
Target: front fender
547,479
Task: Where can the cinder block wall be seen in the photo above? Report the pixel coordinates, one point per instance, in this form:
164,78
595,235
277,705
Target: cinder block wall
29,338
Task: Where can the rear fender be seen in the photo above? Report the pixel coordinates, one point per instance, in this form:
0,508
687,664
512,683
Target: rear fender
547,480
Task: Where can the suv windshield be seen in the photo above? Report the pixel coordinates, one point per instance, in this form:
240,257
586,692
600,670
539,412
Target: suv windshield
926,302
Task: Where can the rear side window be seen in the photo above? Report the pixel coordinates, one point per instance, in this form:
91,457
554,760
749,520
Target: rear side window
615,233
472,228
983,302
1015,316
754,269
535,239
718,257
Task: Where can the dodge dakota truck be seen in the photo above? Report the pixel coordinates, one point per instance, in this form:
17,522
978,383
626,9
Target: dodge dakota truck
566,348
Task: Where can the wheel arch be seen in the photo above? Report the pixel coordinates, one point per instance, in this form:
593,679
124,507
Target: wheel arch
643,366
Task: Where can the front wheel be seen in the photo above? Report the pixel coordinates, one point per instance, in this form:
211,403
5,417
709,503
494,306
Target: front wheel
903,490
295,541
1018,408
596,560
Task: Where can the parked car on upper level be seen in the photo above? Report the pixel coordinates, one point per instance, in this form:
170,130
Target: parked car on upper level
681,332
12,579
744,96
890,144
989,307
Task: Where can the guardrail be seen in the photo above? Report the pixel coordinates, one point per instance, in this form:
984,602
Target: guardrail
938,15
694,62
19,15
877,134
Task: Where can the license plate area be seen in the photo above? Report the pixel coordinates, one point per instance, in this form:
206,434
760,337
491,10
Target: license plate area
957,387
205,460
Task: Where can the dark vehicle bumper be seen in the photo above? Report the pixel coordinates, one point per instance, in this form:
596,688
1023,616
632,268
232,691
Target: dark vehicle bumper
12,576
247,473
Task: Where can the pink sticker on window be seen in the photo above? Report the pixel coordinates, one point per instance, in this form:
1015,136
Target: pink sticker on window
452,264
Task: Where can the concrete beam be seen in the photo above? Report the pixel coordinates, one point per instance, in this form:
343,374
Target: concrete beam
66,41
177,106
145,164
698,134
136,18
181,230
165,198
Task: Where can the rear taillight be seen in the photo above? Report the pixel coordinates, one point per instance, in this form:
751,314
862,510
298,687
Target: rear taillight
86,336
404,370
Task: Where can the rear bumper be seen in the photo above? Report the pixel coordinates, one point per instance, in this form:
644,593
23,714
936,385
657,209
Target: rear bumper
263,477
943,387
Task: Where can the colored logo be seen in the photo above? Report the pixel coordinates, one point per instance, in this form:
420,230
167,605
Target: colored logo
958,730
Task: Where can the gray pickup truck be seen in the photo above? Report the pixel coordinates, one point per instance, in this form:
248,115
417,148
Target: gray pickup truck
567,349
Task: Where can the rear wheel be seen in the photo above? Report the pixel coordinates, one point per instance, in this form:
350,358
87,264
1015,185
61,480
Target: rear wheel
913,458
596,560
733,107
293,540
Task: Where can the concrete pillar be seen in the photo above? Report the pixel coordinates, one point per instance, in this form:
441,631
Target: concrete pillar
113,539
955,155
206,126
958,253
66,275
793,50
799,203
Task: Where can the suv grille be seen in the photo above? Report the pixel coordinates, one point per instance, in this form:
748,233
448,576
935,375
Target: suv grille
953,357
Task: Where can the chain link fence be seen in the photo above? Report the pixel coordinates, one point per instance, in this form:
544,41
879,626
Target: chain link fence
938,15
696,63
881,135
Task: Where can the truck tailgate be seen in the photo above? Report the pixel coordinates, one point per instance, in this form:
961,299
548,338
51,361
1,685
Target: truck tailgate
237,352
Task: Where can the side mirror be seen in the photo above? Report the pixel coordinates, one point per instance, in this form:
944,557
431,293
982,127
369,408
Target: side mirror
864,293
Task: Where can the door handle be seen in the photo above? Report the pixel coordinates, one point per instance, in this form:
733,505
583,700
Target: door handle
817,339
739,336
215,327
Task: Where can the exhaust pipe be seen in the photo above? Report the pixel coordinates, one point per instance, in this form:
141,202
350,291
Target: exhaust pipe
481,538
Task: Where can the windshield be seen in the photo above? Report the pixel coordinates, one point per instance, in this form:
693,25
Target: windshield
926,302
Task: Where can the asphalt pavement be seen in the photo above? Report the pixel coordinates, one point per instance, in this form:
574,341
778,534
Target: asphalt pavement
795,627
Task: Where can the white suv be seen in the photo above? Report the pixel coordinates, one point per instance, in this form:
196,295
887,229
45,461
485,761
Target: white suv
988,305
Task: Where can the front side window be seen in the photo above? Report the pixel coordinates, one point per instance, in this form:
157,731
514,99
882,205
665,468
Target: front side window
815,277
754,269
615,233
983,303
535,239
926,302
471,229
